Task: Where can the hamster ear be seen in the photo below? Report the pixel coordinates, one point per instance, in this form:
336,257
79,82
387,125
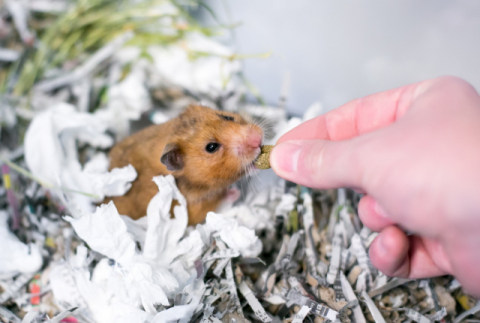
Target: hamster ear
172,157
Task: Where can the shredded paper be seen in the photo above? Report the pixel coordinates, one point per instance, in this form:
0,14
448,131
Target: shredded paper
78,76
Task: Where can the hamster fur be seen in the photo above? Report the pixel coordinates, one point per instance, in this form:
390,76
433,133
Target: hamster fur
204,149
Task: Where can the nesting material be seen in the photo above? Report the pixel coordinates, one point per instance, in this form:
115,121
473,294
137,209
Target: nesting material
282,253
263,160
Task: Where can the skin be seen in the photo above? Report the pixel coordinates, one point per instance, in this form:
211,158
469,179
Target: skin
415,152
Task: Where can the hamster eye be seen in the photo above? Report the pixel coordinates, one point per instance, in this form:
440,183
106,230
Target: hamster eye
226,118
212,147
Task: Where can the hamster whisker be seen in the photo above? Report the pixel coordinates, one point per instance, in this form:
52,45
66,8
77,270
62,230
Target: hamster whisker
253,188
253,183
251,174
266,126
249,179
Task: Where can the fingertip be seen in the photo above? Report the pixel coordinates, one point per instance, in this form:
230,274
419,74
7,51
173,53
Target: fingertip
317,163
301,161
389,252
371,215
284,159
274,157
297,161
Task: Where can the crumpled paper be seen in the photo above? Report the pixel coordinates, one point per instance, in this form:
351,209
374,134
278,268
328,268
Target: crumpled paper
246,263
51,143
235,236
127,100
15,256
108,183
210,74
151,276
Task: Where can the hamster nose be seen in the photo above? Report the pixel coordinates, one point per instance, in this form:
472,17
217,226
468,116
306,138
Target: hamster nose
254,140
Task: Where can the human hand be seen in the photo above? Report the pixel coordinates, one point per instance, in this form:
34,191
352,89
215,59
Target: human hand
415,152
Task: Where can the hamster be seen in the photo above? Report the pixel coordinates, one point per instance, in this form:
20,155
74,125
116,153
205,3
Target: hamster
204,149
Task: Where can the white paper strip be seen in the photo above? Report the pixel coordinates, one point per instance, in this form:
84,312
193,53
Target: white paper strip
294,284
15,287
350,296
220,266
57,318
439,315
360,252
81,71
9,316
300,316
20,15
390,285
347,222
225,253
232,287
416,316
254,303
310,252
454,285
210,319
471,311
377,316
336,255
316,308
30,316
9,55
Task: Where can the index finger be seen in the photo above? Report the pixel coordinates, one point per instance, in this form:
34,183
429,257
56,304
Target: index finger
356,117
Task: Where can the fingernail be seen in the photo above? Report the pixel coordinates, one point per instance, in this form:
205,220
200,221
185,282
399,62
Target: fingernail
380,211
285,157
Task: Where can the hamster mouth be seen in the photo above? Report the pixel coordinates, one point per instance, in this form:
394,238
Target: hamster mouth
252,164
250,168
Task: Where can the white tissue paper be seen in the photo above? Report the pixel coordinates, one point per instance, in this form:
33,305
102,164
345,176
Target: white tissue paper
235,236
257,212
156,269
210,74
51,155
104,183
15,256
150,276
127,100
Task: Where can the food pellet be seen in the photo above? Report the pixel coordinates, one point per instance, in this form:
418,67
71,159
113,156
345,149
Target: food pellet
263,160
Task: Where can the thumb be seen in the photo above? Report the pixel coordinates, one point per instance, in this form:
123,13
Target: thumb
319,163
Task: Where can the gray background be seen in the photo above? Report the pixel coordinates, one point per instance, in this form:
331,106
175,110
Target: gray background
338,50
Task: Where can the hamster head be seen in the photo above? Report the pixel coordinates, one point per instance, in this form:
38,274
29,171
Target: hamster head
211,148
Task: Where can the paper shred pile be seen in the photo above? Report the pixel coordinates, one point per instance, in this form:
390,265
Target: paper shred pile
77,76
